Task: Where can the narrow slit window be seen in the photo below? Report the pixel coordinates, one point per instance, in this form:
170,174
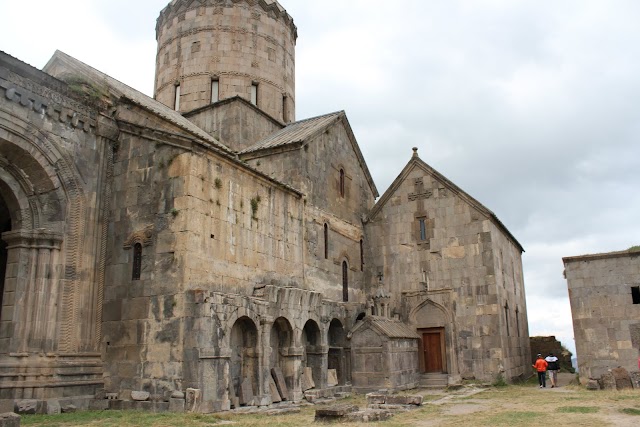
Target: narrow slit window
506,317
518,321
176,102
423,228
345,281
341,182
137,262
635,294
254,93
285,112
215,91
326,241
361,255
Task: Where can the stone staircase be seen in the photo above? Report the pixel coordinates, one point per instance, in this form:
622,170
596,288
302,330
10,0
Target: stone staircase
434,380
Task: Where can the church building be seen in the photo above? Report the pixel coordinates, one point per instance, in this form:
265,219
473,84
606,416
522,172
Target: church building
206,239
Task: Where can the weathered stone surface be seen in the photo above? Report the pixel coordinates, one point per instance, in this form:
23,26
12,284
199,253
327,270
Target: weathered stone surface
334,413
98,405
246,392
111,396
176,404
177,394
192,399
53,407
9,419
375,398
635,379
307,379
332,378
140,396
66,409
276,373
593,384
621,376
6,405
368,415
275,394
26,406
415,400
607,381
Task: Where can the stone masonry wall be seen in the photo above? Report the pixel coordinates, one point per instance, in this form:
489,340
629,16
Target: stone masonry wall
453,268
237,43
606,319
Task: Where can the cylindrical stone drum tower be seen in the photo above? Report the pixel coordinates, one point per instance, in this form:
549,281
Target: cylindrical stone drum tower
210,50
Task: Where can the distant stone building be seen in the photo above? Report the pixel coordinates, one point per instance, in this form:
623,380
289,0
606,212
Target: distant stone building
604,291
546,345
205,239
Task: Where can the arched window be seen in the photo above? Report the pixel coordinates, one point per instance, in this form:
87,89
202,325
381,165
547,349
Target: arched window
345,281
341,182
326,241
137,261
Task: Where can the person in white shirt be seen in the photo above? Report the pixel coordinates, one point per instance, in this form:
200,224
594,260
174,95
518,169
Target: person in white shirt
553,369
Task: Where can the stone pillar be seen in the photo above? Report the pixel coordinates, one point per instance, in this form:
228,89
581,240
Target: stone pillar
264,355
35,269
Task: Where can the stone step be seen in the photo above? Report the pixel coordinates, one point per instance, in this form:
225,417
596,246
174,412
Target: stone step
434,380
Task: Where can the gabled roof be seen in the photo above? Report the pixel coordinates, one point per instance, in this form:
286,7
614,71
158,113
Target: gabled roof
388,327
301,131
416,162
122,90
236,98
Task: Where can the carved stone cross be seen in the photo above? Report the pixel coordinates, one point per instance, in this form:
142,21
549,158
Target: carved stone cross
420,192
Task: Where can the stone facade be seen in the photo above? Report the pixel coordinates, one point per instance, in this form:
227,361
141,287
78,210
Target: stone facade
220,255
604,292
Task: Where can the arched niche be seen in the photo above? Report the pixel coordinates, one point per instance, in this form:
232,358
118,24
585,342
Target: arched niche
313,356
281,340
244,361
337,344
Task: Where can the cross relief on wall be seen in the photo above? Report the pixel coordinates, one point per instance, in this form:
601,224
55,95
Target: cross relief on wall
421,193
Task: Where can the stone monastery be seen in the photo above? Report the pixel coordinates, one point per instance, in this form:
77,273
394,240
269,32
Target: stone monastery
206,239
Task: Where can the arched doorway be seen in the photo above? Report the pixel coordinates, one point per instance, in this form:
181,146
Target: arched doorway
432,327
337,340
244,357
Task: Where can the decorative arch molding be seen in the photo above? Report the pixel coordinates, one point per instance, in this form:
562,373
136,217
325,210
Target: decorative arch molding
52,180
413,315
144,237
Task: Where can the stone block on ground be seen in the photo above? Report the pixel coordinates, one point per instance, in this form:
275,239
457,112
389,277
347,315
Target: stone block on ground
635,379
404,400
246,392
139,396
275,394
177,394
276,373
9,419
176,405
623,381
332,378
26,406
368,415
608,381
375,398
307,379
334,413
192,399
53,407
98,405
67,409
593,384
6,405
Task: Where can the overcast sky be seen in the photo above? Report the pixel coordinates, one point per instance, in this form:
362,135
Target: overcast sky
532,107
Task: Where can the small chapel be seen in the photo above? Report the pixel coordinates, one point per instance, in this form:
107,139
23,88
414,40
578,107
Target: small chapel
205,239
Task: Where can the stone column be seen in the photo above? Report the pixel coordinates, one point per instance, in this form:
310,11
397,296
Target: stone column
36,269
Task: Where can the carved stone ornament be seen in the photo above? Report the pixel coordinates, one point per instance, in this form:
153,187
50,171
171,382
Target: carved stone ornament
144,237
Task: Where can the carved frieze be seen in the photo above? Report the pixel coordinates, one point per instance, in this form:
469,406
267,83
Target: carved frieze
144,237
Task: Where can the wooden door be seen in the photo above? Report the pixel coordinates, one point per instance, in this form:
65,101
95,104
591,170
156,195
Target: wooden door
432,345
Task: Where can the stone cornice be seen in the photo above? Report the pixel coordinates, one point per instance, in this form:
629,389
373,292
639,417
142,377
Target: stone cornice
39,238
272,8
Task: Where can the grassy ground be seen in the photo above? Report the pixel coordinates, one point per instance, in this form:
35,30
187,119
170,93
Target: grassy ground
514,405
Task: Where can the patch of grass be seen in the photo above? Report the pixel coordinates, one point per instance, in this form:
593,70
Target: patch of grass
630,411
514,418
174,212
218,183
119,419
634,248
499,381
577,409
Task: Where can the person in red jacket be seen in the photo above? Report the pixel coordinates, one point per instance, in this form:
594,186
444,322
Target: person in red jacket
541,367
